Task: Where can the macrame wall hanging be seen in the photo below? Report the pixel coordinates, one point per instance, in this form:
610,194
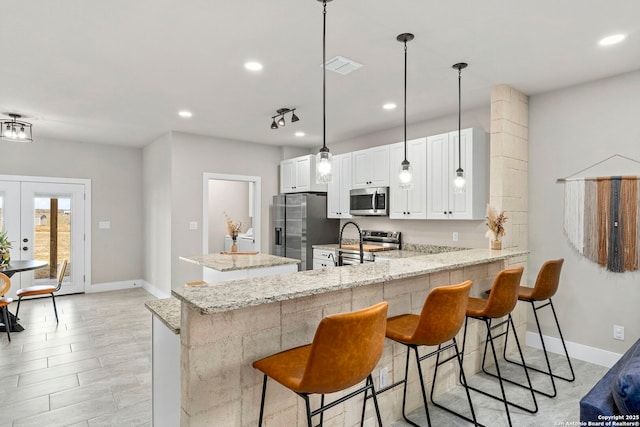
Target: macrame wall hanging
602,218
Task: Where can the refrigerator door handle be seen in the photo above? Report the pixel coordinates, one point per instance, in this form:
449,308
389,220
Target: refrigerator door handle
278,236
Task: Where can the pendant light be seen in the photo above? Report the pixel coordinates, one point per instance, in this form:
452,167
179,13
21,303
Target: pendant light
405,177
459,181
323,158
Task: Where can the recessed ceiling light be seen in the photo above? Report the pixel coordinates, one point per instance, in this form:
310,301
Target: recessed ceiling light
185,114
389,106
253,66
300,134
612,39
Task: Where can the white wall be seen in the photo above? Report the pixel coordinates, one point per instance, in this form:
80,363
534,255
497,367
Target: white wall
116,183
157,178
192,156
570,130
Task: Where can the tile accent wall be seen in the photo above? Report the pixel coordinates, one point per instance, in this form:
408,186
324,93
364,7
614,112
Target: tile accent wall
509,161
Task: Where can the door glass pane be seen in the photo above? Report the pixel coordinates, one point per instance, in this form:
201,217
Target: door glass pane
52,233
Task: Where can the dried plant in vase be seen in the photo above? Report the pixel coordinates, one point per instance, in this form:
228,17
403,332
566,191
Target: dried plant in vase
495,223
233,229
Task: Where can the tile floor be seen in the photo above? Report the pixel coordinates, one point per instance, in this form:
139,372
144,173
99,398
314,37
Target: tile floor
94,369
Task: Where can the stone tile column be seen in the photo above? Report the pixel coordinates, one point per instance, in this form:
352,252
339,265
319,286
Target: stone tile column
509,162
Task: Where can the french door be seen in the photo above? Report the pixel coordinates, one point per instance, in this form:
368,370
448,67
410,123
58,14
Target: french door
45,221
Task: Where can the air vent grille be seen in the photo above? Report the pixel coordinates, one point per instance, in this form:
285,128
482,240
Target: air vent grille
342,65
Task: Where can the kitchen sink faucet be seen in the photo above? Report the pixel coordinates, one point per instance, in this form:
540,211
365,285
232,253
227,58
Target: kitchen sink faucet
340,242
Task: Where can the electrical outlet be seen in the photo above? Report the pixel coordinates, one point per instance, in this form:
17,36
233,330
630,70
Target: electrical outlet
384,377
618,332
455,236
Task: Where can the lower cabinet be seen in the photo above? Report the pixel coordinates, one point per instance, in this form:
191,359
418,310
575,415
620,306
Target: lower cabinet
323,258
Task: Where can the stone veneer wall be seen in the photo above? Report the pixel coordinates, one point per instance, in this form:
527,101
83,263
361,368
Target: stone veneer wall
509,165
219,386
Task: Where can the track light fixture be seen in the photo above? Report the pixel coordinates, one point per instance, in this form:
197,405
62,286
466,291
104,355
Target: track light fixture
15,129
406,175
280,122
459,181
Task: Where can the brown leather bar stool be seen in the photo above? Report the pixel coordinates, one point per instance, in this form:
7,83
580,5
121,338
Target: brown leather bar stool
545,287
441,318
344,351
5,285
502,300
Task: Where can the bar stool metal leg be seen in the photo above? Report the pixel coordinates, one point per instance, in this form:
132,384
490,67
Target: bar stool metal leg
544,349
7,325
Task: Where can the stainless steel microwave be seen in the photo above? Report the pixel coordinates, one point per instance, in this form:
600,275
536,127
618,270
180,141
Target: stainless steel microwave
369,201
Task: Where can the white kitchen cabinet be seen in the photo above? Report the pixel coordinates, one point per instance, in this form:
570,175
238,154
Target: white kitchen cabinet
442,161
323,258
371,167
298,175
338,188
408,203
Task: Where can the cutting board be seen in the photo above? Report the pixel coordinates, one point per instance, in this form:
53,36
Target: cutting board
366,248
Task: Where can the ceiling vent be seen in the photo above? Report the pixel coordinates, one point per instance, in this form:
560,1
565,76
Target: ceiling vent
342,65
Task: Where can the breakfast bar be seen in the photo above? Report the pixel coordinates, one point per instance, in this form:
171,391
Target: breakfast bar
223,329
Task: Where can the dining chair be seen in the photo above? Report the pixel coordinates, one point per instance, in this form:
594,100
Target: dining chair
345,349
5,284
40,290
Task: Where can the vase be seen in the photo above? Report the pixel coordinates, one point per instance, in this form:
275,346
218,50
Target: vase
234,246
5,257
496,244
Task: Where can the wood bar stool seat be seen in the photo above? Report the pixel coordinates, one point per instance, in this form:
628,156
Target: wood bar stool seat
442,316
5,285
345,350
502,300
545,287
40,290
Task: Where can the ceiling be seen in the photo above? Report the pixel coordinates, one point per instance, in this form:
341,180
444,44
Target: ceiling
118,71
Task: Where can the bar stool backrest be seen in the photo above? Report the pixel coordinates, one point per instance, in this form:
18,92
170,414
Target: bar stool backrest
442,314
345,349
61,272
548,280
5,284
504,293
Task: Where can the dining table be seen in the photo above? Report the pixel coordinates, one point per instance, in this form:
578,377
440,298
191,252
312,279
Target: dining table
19,266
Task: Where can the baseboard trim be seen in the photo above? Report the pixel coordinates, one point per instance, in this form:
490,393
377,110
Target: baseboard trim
155,291
576,351
114,286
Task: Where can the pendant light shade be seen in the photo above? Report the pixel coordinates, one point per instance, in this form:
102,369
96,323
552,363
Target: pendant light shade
15,129
459,182
324,157
405,177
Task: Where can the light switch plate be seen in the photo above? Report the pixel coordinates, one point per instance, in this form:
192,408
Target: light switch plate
193,225
105,225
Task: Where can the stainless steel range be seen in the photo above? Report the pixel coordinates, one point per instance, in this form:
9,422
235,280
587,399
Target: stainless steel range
372,241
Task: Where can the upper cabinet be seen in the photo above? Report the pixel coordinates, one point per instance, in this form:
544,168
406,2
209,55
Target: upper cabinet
298,175
408,203
443,202
371,167
338,188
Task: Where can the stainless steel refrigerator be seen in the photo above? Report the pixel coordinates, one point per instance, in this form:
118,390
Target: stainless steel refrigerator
300,221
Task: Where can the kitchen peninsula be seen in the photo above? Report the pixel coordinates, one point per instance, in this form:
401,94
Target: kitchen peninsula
225,328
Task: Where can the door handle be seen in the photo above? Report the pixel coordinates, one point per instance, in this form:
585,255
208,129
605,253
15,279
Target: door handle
278,236
24,248
25,240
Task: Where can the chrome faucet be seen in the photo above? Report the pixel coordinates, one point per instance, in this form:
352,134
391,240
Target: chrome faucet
340,242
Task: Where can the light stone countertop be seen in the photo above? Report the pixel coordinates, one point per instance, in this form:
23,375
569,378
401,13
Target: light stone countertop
168,311
230,262
238,294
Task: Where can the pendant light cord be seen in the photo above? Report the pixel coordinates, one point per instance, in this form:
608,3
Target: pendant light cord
324,77
459,118
405,101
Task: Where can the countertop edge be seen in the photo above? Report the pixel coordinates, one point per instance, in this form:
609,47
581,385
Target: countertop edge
168,310
432,265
